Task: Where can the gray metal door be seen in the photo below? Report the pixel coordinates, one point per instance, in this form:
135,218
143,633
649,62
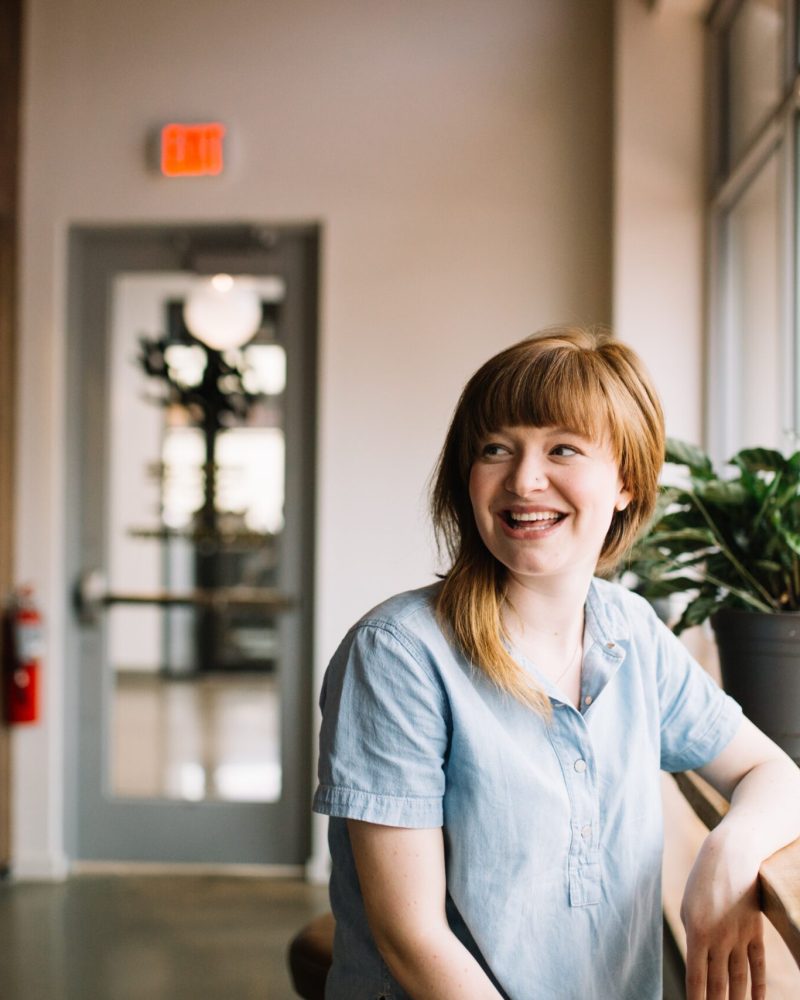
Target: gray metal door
190,547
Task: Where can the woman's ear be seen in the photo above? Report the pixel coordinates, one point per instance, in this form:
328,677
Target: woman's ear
624,497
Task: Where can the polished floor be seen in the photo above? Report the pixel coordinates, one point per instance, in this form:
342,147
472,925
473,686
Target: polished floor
158,937
181,937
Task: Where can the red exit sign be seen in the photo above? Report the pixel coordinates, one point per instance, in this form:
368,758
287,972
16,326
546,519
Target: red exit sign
192,150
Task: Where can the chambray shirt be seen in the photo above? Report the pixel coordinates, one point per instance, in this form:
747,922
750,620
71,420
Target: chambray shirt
553,832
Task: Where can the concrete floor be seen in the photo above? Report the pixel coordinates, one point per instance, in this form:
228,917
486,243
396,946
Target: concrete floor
164,937
151,937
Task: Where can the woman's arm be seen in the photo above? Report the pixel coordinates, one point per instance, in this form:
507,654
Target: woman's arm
720,908
402,878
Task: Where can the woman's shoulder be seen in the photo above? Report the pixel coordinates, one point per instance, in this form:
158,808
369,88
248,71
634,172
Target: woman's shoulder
398,637
407,610
408,618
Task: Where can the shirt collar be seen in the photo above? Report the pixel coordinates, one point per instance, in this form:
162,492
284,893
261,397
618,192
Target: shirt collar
604,620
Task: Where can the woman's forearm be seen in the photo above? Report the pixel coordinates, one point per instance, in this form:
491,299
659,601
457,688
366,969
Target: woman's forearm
402,877
436,966
763,785
765,810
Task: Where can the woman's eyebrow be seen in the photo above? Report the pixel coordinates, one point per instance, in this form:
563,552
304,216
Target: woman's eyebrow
571,430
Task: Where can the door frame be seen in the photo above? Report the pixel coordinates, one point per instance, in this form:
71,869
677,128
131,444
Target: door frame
96,255
10,93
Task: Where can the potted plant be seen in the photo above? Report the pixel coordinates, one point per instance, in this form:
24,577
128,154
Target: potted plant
731,544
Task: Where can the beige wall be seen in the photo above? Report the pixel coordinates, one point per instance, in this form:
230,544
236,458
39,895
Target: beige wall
457,154
658,203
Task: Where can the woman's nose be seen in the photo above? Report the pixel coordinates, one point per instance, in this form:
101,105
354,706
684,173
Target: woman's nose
527,475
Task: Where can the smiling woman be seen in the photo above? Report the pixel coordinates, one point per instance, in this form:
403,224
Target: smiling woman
490,745
566,391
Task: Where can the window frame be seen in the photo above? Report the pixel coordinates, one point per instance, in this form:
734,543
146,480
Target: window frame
779,135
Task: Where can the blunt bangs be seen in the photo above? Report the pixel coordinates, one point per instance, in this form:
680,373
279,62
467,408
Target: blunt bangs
560,387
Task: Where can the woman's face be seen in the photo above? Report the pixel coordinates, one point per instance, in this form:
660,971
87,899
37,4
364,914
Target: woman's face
543,499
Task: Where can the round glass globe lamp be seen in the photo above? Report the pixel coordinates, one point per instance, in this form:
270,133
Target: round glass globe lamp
222,313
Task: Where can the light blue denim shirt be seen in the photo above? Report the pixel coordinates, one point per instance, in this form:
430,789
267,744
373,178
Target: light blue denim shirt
553,832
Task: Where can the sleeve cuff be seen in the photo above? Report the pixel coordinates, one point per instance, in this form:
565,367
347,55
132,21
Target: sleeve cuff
417,812
716,737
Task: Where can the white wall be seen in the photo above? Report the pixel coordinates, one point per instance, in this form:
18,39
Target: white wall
658,199
457,154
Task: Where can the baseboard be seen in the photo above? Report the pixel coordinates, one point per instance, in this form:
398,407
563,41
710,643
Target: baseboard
39,867
84,867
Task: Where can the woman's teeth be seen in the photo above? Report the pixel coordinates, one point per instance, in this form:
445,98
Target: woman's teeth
517,519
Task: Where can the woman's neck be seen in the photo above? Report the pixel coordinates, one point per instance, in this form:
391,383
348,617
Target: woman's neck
543,609
546,625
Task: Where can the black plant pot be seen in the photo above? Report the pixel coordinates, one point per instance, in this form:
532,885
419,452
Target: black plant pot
759,658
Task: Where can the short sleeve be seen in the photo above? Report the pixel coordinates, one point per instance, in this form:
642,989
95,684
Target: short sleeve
698,719
384,732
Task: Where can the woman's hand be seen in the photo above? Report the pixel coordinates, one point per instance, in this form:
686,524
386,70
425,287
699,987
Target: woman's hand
724,929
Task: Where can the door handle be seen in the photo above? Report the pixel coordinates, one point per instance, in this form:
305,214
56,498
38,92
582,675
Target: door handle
92,596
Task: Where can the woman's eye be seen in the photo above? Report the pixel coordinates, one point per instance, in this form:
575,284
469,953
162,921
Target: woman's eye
565,450
492,450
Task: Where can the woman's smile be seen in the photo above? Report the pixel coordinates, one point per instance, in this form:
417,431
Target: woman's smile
529,522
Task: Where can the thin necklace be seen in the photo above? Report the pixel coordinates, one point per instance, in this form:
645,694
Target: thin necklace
572,659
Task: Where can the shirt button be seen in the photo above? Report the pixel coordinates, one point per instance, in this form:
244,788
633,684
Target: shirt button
588,700
609,645
586,833
580,765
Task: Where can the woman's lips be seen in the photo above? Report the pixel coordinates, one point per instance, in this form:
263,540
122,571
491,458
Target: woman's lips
530,522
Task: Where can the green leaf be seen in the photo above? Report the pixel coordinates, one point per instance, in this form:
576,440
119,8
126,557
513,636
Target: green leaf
671,585
691,559
668,495
683,453
744,596
680,543
701,536
788,496
760,460
731,493
696,612
792,538
677,520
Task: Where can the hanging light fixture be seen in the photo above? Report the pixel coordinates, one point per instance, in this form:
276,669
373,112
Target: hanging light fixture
222,313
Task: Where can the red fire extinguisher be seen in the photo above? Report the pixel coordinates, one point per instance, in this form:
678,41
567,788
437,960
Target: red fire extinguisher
25,647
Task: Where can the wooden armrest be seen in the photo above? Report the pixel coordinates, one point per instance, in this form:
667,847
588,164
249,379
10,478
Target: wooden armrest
779,881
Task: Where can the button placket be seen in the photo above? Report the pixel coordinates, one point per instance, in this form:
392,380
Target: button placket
573,745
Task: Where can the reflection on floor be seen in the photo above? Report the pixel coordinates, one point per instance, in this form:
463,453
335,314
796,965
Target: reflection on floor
207,737
155,937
